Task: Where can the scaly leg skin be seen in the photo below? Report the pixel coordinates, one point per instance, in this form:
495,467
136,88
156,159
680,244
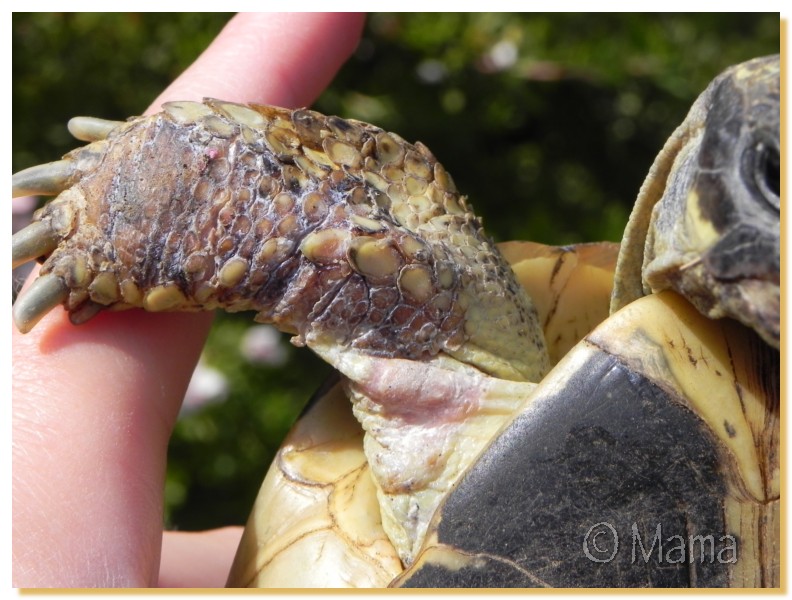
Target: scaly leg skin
327,228
338,232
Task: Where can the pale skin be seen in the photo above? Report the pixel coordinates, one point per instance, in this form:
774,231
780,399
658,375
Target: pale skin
94,405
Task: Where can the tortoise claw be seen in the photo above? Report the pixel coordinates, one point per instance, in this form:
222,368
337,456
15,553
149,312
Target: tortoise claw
35,240
91,129
44,294
49,179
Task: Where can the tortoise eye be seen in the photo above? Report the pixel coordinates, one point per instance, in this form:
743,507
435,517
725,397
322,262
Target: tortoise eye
767,174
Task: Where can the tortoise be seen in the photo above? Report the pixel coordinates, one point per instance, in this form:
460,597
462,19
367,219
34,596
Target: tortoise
493,463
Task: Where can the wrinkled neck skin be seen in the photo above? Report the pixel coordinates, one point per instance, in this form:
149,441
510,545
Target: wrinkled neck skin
424,423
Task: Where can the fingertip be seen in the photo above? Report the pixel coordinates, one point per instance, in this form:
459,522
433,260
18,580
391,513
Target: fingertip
285,59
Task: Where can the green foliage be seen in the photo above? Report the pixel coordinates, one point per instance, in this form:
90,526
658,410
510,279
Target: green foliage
98,64
548,122
565,133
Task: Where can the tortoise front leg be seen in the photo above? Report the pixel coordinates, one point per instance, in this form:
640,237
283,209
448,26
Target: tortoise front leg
333,230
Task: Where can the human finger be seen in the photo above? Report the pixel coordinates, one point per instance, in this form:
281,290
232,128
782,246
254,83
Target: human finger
90,437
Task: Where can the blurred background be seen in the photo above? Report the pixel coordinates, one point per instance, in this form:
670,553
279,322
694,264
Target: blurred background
547,122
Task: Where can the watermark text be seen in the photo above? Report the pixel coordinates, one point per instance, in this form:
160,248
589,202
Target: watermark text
601,544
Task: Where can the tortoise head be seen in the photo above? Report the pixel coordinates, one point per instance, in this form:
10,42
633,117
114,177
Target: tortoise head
707,220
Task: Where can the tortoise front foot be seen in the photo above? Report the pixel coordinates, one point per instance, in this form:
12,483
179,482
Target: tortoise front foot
99,241
64,236
170,212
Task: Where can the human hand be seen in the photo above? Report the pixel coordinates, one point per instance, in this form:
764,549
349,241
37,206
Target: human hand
94,406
